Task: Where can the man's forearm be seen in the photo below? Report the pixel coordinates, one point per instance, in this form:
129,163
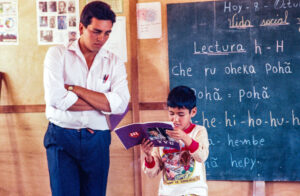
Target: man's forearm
95,99
80,105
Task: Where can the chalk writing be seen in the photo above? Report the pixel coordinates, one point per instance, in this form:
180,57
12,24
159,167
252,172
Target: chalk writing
210,71
245,141
253,93
283,68
279,47
231,8
208,94
234,22
178,70
286,4
242,69
295,119
216,49
211,162
275,21
244,162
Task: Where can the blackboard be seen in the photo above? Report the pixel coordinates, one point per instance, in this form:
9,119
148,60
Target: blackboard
242,59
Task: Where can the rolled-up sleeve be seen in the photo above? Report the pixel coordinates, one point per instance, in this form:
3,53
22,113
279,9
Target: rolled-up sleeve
55,93
202,152
118,97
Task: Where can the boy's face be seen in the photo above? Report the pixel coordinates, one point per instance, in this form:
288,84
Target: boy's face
181,117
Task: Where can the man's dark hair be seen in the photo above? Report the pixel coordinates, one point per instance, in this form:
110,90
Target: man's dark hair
182,97
97,9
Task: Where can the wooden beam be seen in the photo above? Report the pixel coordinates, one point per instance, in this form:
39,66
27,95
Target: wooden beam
1,77
40,108
135,94
22,108
153,106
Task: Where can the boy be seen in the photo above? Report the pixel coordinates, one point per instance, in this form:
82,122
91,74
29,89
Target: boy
183,170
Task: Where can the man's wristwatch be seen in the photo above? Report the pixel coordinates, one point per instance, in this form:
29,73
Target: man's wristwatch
70,88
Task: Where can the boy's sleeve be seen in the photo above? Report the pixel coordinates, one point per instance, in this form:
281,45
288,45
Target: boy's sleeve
200,154
152,169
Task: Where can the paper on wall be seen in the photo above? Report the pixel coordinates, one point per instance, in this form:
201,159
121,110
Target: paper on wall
9,22
149,20
117,39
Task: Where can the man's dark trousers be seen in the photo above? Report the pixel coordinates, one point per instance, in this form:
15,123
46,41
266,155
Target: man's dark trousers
78,161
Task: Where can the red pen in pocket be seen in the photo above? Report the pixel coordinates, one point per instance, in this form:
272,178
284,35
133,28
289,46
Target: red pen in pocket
105,78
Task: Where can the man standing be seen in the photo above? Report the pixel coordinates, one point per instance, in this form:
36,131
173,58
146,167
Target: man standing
83,82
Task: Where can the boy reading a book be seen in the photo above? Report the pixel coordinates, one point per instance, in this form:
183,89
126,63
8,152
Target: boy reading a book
183,171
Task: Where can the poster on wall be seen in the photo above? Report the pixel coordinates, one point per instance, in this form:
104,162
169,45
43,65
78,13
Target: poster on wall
149,20
9,22
116,5
57,21
117,39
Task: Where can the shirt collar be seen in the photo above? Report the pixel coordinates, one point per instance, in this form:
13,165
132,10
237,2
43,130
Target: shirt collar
74,46
190,128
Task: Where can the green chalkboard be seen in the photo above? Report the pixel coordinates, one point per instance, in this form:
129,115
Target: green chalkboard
242,59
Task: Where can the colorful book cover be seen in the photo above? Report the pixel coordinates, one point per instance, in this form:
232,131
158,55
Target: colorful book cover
133,134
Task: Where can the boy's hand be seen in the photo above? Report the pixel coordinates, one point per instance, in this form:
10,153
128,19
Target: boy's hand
178,134
147,147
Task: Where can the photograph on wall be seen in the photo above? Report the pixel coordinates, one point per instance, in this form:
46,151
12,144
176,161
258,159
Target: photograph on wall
8,22
57,21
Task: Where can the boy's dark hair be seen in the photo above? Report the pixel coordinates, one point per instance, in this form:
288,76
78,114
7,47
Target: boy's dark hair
97,9
182,97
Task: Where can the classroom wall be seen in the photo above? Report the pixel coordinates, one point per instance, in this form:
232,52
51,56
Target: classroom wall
23,164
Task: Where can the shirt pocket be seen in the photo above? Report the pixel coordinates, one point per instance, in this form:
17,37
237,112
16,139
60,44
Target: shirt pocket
103,86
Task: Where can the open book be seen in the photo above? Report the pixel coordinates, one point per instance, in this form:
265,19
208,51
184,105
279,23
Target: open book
133,134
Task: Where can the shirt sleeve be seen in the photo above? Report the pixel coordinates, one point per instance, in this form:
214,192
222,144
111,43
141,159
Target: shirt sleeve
194,146
55,93
118,97
201,153
153,169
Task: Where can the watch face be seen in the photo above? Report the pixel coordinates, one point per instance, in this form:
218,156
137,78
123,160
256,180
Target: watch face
70,88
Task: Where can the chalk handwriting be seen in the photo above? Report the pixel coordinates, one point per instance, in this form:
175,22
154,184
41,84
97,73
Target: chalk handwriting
232,8
233,142
208,70
283,68
208,94
244,162
295,119
229,122
242,69
286,4
275,21
211,162
279,47
253,94
208,123
216,49
272,121
179,70
234,22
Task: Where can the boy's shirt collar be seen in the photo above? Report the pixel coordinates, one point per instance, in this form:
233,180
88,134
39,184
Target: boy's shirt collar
190,128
